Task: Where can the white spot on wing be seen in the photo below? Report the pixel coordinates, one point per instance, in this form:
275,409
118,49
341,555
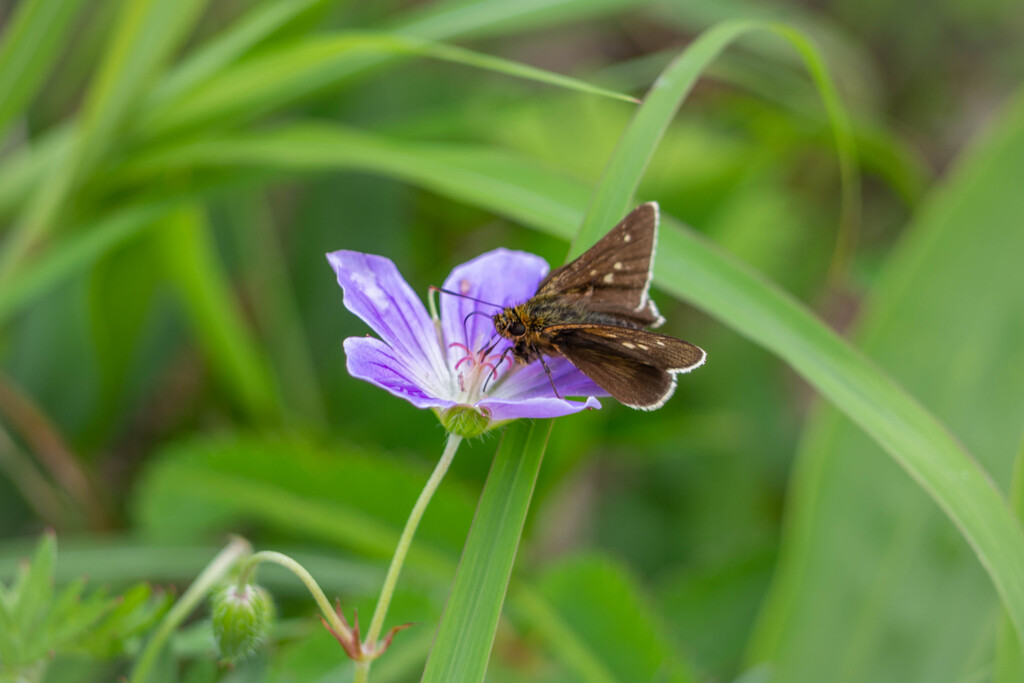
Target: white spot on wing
642,347
593,271
617,265
628,345
627,237
609,278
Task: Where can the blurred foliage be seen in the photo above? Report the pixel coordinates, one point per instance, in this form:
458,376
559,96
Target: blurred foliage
171,370
39,624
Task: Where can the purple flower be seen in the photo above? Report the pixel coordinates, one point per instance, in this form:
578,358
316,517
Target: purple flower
445,364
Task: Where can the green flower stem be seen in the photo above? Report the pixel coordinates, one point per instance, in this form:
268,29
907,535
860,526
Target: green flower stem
200,588
377,623
294,567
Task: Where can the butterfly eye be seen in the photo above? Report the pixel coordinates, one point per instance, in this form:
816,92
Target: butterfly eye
517,329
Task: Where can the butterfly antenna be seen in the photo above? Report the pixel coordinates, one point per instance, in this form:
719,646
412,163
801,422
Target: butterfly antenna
472,313
464,296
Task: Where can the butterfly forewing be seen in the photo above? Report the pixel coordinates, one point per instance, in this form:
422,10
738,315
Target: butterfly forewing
635,366
613,277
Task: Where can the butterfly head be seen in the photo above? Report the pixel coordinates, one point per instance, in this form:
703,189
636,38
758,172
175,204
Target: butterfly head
509,324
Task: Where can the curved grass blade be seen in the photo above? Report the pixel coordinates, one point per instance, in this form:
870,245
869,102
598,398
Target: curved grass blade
613,196
271,79
956,278
462,647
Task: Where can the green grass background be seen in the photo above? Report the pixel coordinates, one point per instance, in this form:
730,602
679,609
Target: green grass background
809,507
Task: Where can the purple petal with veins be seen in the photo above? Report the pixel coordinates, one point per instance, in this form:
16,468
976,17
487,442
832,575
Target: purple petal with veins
376,292
376,362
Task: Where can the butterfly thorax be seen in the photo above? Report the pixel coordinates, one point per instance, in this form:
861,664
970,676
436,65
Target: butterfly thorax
525,324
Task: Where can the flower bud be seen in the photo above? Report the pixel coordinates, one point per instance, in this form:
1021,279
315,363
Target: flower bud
241,620
465,421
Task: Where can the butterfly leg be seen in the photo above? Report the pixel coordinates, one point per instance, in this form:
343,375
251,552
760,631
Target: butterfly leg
548,371
494,372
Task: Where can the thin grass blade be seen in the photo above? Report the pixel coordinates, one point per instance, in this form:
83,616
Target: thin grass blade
278,77
462,647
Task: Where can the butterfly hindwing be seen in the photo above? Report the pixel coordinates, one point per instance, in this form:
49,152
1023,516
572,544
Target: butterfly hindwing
614,275
635,366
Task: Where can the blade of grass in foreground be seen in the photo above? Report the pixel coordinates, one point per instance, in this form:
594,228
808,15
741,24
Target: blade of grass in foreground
466,632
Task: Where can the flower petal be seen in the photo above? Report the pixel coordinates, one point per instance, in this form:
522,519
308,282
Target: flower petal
372,360
532,382
376,292
502,277
501,410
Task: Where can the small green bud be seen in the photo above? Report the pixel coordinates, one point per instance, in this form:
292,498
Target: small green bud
465,421
241,620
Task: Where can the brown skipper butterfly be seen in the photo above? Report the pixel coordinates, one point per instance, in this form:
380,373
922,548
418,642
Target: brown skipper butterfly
593,310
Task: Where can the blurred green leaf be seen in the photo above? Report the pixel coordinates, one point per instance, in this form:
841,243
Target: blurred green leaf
77,253
121,296
465,635
343,495
506,183
712,609
29,48
267,280
187,249
601,603
873,582
36,625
